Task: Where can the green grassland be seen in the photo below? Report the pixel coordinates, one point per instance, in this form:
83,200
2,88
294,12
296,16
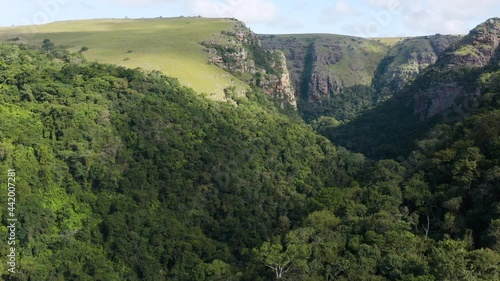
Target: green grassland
170,45
389,41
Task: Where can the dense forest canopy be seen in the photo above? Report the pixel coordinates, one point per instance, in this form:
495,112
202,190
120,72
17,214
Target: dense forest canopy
126,175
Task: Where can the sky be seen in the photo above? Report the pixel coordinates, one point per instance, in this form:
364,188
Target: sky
364,18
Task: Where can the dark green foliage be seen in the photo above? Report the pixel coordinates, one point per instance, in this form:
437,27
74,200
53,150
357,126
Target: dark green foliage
390,129
387,131
406,59
47,44
305,79
344,106
129,176
264,59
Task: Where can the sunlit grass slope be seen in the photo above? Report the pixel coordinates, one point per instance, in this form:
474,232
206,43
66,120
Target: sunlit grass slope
390,41
170,45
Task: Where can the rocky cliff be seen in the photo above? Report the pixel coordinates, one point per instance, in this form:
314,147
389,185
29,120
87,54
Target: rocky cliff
325,69
479,48
451,84
239,51
323,65
446,92
409,57
319,70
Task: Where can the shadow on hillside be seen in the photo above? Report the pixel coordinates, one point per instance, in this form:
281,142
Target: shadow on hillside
387,131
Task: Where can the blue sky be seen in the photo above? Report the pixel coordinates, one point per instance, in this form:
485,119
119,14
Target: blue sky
366,18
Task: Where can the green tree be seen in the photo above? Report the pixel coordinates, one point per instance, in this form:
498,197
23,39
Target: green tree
289,257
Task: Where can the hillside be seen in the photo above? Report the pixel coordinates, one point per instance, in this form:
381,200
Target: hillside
170,45
322,64
123,175
341,76
407,58
445,92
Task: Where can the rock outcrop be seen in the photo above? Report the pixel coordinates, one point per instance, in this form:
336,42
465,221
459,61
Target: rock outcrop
239,52
281,85
479,48
443,97
408,58
322,65
447,86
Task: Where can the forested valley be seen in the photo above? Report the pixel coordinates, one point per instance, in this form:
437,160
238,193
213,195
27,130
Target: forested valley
127,175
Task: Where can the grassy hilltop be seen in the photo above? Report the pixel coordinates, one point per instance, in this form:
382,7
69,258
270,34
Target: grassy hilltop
170,45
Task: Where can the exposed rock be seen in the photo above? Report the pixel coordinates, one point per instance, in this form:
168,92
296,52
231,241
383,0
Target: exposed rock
440,98
476,50
409,58
322,65
479,48
284,84
239,52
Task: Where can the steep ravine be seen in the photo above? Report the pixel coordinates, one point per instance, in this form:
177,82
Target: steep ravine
323,65
305,81
446,92
342,76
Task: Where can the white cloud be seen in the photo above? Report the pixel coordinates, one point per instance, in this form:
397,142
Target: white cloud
444,16
299,4
378,3
342,7
286,23
249,11
448,16
435,22
142,2
86,6
338,12
369,17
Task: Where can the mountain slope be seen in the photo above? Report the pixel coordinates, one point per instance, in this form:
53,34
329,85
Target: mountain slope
322,64
479,48
239,52
170,45
123,175
340,76
407,58
126,175
446,91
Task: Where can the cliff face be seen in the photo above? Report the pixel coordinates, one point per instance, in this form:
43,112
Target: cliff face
295,58
445,97
323,65
320,70
445,92
239,51
328,69
408,58
479,48
281,86
450,85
